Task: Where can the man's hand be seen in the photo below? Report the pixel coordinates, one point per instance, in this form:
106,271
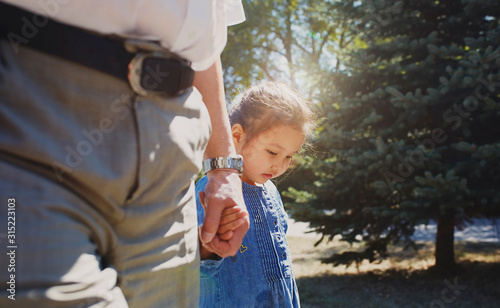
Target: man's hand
223,191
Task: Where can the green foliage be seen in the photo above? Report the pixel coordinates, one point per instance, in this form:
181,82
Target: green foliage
411,129
410,97
292,41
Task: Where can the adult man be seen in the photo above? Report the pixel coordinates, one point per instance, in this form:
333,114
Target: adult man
101,138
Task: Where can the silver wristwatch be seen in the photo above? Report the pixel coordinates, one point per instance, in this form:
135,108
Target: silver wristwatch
223,163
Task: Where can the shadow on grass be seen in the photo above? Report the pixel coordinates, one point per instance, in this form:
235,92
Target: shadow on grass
477,285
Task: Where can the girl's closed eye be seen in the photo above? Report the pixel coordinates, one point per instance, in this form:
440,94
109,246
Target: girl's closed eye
271,152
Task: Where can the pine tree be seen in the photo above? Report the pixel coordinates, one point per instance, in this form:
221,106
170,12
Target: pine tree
411,130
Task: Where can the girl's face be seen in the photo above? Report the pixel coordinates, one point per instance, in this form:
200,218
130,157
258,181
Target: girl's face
268,154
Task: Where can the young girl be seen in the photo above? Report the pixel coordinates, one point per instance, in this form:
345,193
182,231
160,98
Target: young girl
269,126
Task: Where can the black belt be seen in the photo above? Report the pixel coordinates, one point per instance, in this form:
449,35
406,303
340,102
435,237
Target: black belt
147,67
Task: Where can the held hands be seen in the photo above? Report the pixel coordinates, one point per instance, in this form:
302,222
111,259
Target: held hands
226,217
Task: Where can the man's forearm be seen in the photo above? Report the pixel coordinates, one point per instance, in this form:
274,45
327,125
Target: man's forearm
223,188
210,84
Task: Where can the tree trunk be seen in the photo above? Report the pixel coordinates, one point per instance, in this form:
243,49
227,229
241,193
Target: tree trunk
288,42
445,253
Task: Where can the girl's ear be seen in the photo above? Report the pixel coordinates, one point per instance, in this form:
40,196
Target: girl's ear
238,135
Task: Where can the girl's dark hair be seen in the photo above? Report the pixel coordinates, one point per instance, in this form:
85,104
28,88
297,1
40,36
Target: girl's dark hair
267,104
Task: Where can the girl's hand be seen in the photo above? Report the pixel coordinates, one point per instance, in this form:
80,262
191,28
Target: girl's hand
231,218
223,191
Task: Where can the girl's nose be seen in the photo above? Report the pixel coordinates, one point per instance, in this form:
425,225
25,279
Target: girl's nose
274,169
278,167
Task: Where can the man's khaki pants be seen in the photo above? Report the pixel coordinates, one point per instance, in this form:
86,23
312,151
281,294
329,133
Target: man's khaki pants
99,183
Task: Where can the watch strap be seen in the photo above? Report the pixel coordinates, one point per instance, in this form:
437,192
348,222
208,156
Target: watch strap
223,163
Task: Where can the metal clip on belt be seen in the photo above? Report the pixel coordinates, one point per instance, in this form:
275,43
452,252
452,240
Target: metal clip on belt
154,70
149,69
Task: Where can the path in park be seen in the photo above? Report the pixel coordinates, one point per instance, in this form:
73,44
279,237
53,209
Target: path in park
482,230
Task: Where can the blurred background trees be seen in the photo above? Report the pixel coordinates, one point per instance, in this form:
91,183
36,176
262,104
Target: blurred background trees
410,98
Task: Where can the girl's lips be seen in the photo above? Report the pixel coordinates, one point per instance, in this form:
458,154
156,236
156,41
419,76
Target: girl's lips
267,176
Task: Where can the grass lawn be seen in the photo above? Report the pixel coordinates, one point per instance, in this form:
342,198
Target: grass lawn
400,281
